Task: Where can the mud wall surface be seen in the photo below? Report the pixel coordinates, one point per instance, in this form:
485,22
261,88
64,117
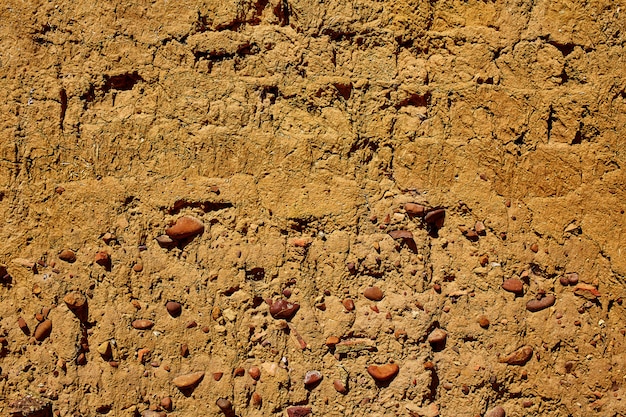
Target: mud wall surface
465,158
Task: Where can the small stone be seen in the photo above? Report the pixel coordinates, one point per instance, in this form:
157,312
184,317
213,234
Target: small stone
401,234
185,227
255,373
143,354
42,331
188,380
383,373
437,337
239,371
312,378
108,237
340,387
218,375
67,255
437,288
480,228
184,350
256,399
298,411
104,349
23,326
225,405
81,359
496,412
373,293
174,308
414,209
518,357
483,260
142,324
348,304
77,303
538,305
138,267
534,247
165,241
527,403
103,259
283,309
435,217
572,278
331,341
564,281
483,321
216,313
513,285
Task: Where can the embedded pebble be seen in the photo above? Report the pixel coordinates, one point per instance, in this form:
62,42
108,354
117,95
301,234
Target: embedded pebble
42,331
225,406
256,399
165,241
373,293
283,309
518,357
480,228
142,324
184,228
138,267
298,411
383,373
513,285
331,341
348,304
103,259
538,305
312,378
188,380
104,349
437,336
23,326
174,308
435,217
572,278
255,373
340,386
483,321
67,255
496,412
401,234
414,209
534,247
76,302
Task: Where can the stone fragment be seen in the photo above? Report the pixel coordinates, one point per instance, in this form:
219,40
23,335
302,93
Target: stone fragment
340,386
483,321
401,234
77,303
67,255
437,337
165,241
383,373
108,237
103,259
331,341
225,406
312,378
348,304
188,380
283,309
587,291
256,399
298,411
435,217
255,372
496,412
534,247
373,293
483,259
572,278
138,267
142,324
184,228
518,357
174,308
480,228
538,305
218,375
23,326
414,209
104,349
42,331
513,285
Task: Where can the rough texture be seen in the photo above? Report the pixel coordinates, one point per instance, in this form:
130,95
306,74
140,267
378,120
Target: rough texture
297,132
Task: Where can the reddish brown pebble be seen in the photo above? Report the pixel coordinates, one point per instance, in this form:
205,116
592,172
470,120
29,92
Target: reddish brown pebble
218,375
283,309
513,285
43,330
437,288
484,260
401,234
174,308
383,373
256,399
534,247
436,217
114,364
239,372
142,324
437,336
518,357
527,403
225,405
81,359
348,304
103,259
185,227
373,293
429,366
298,411
496,412
287,292
206,329
59,190
483,321
340,387
331,341
538,305
67,255
255,373
414,209
191,324
312,378
564,281
374,309
166,403
572,278
184,350
138,267
23,326
188,380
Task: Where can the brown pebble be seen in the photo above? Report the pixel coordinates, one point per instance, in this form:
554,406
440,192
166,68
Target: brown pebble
225,405
437,336
414,209
114,364
218,375
538,305
174,308
383,373
43,330
373,293
103,259
374,308
142,354
496,412
572,278
165,241
534,247
142,324
185,227
81,359
298,411
437,288
239,372
216,313
331,341
513,285
256,399
59,190
191,324
77,303
518,357
483,321
138,267
480,228
188,380
67,255
255,373
283,309
348,304
351,267
436,217
39,317
564,281
483,260
340,387
401,234
527,403
312,378
166,403
184,350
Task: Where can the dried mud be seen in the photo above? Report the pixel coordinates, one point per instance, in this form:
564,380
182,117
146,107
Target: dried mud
296,132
